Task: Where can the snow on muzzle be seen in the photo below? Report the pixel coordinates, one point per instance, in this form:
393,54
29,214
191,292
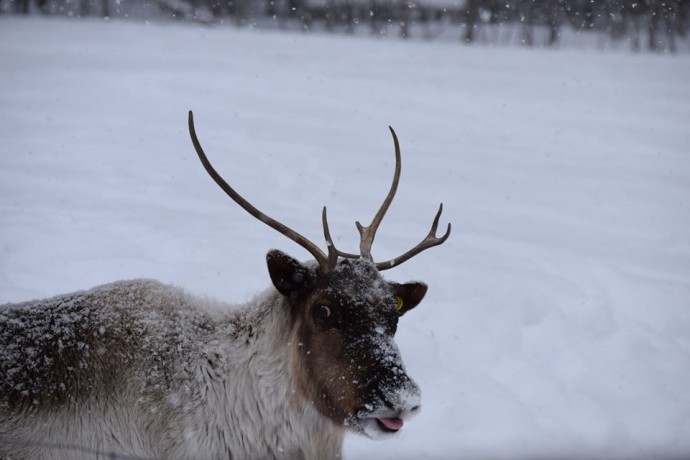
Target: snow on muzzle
399,405
392,396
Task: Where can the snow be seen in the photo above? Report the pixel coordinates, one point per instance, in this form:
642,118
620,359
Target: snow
557,323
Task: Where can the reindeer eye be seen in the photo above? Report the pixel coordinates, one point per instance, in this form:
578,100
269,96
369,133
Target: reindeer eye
322,312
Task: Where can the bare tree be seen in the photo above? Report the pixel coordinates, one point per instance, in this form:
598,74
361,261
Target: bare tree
471,20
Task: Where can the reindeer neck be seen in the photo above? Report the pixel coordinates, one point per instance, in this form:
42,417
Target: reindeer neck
267,409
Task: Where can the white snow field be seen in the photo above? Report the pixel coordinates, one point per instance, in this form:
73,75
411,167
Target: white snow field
557,323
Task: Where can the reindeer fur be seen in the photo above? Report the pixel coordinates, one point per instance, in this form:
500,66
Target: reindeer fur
177,377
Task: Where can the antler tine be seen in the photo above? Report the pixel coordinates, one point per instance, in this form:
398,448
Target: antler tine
367,234
429,241
247,206
333,252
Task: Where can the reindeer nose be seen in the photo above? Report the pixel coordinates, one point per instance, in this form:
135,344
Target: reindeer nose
412,404
408,398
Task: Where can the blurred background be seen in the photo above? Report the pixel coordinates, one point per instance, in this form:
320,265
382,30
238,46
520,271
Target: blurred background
654,25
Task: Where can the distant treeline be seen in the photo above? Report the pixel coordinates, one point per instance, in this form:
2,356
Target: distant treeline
656,25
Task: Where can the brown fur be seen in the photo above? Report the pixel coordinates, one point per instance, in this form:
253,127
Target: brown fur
80,343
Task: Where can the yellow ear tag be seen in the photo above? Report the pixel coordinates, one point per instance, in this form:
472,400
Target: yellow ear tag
399,302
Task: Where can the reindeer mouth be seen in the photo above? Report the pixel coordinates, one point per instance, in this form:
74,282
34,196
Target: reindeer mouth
390,425
381,425
382,418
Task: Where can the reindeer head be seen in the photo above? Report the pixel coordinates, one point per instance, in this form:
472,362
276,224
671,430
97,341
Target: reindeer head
343,317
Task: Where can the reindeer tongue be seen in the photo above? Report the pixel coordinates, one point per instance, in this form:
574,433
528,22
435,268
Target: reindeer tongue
392,424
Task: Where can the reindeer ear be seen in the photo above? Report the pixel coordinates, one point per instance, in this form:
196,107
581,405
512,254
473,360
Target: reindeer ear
408,295
288,274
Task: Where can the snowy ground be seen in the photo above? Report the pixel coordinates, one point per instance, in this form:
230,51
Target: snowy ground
557,324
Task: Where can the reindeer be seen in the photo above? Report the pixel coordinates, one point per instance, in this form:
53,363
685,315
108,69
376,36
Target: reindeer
144,369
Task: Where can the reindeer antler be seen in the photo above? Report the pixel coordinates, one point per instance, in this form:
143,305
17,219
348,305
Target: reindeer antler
367,234
429,241
328,262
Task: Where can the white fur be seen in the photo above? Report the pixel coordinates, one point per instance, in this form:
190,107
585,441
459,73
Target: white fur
232,396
